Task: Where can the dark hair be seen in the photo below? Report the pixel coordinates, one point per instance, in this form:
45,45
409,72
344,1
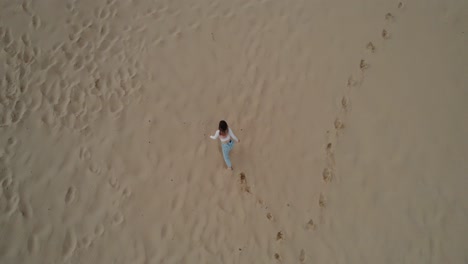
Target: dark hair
223,127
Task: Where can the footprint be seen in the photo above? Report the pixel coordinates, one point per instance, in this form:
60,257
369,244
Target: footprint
117,219
126,192
81,43
243,181
385,34
78,63
115,105
27,7
338,124
103,31
12,50
302,256
327,175
28,56
113,182
400,5
351,82
279,236
69,244
310,225
7,37
277,257
85,154
70,195
269,216
389,17
104,13
12,205
26,40
322,202
11,142
95,168
35,22
25,209
370,46
93,104
85,241
99,230
345,103
363,65
18,112
60,109
48,118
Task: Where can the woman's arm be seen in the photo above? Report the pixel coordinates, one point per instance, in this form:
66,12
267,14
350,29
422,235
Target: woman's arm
232,135
216,135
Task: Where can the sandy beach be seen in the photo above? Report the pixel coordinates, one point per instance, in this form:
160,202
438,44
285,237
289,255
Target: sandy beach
352,116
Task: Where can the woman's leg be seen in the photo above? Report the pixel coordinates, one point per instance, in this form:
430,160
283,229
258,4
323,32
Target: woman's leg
226,149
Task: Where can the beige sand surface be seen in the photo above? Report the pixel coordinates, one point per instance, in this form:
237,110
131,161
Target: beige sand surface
352,115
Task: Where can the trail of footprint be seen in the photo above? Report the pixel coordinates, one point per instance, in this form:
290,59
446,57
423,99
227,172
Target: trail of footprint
328,171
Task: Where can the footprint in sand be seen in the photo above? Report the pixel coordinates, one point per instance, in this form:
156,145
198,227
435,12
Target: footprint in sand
85,154
99,230
385,34
69,245
127,192
11,142
12,205
35,22
400,5
352,82
370,46
117,219
85,241
338,124
302,256
27,7
277,257
26,40
389,17
7,37
115,105
310,225
363,65
279,236
70,195
95,168
345,103
269,216
25,209
7,178
113,182
327,175
322,202
243,181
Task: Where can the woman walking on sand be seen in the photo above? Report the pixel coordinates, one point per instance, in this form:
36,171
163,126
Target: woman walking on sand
225,135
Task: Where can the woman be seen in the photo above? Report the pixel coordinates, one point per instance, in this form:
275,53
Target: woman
226,135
